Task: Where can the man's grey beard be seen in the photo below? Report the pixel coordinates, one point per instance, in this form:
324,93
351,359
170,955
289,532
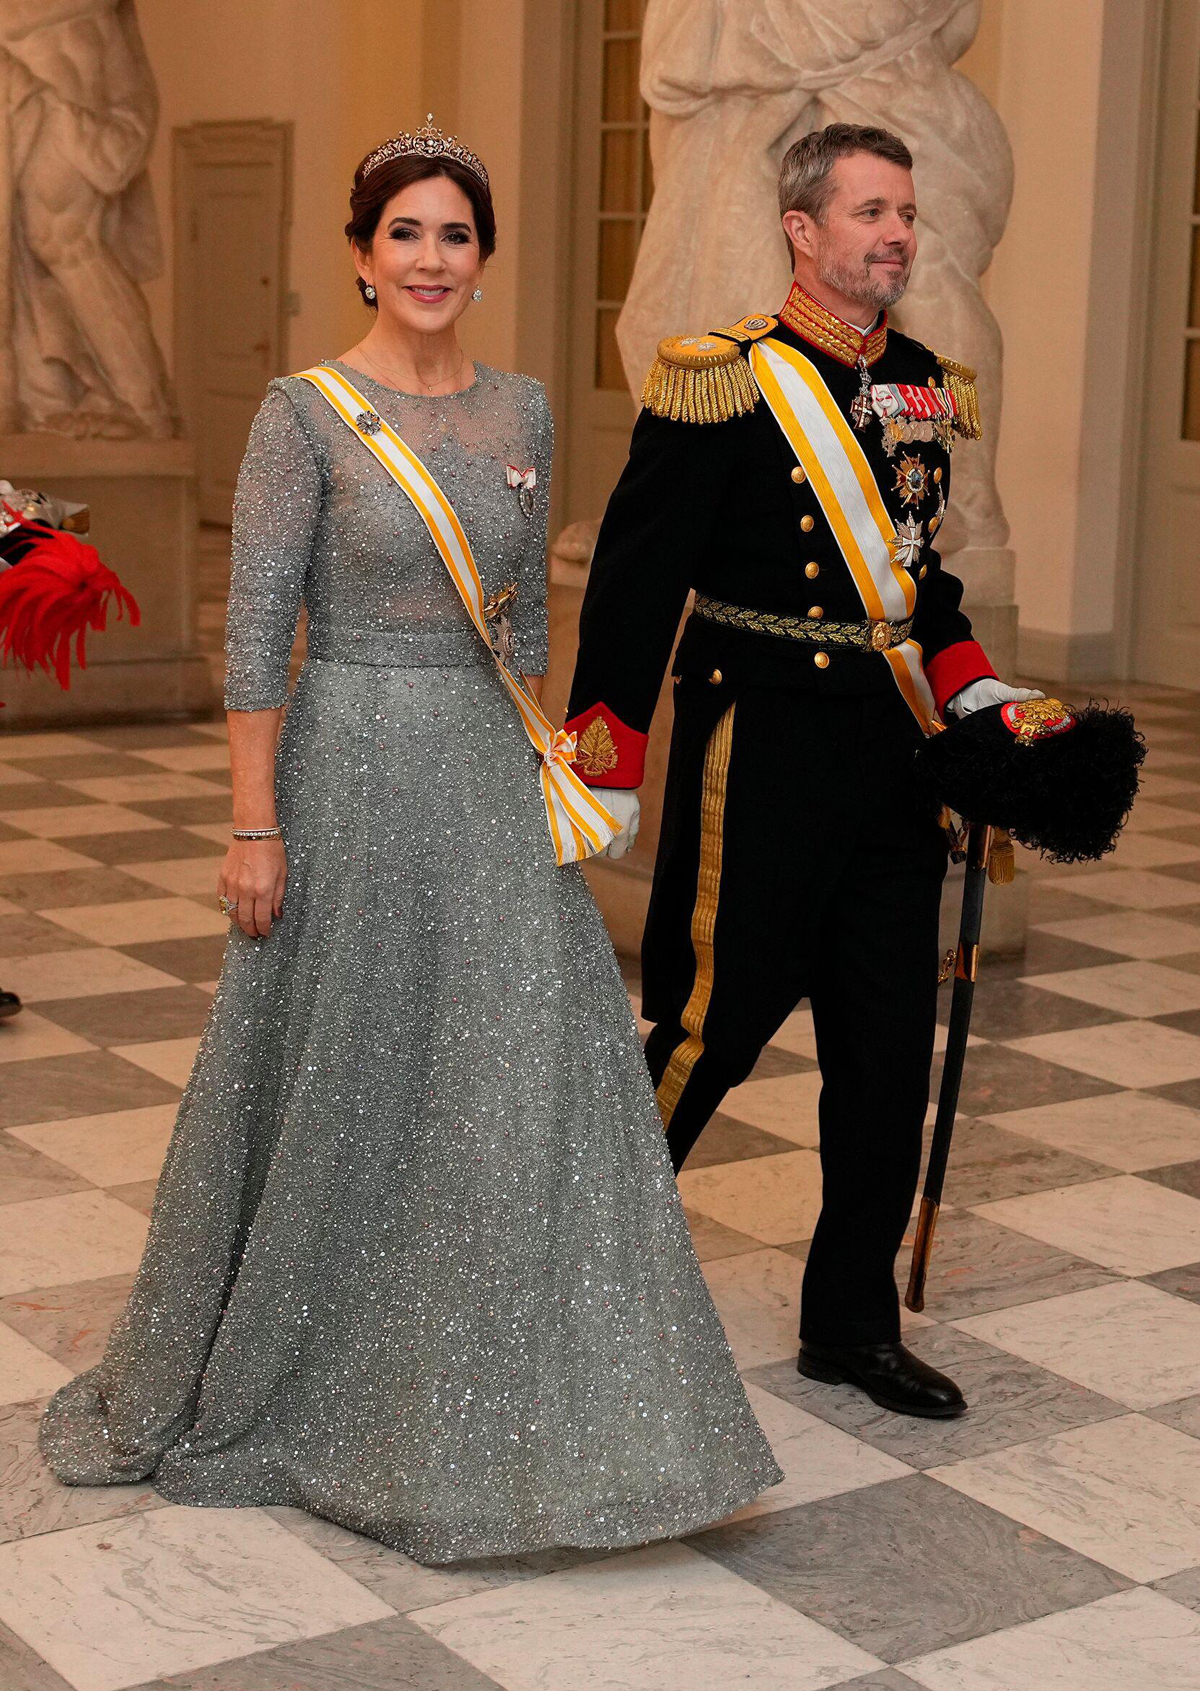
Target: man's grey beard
866,286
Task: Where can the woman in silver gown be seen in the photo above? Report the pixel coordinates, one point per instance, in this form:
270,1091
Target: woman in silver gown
417,1261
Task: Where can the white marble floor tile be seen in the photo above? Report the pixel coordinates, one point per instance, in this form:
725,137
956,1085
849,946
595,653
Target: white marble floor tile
1125,1053
797,1035
1134,933
757,1295
56,1241
187,877
30,1035
1129,1342
186,759
141,789
25,1371
1145,851
1136,988
1135,889
818,1460
1126,1130
776,1199
108,1150
1131,1225
660,1619
1125,1492
169,1059
785,1106
80,974
117,1603
137,920
1147,813
57,822
38,857
1133,1641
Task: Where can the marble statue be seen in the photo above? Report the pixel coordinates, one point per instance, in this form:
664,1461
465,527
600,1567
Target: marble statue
78,232
731,84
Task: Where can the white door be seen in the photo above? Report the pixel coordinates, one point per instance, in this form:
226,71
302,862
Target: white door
231,215
1167,604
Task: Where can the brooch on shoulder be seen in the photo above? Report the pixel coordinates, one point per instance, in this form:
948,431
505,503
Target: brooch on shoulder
524,481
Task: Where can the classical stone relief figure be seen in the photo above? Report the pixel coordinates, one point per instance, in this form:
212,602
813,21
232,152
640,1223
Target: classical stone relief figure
731,84
77,117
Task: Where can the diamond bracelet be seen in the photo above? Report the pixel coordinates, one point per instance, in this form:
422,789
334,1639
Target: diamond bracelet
258,833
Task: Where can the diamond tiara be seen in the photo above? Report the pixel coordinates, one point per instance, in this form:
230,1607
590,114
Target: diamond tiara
429,142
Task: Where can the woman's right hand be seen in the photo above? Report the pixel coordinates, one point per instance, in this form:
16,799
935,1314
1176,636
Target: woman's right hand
252,877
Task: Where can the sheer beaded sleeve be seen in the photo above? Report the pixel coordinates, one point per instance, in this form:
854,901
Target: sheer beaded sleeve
531,635
275,514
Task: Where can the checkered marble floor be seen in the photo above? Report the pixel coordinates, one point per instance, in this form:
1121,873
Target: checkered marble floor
1048,1541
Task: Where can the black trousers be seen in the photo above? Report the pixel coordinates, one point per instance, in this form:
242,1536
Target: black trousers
796,862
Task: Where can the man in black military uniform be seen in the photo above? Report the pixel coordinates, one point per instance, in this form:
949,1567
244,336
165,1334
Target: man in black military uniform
794,470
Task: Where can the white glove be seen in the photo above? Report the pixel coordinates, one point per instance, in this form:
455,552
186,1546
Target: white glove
622,802
977,695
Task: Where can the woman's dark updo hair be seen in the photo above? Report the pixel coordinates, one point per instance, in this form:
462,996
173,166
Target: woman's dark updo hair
370,194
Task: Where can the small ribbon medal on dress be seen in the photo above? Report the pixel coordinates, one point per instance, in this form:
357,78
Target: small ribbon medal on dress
524,481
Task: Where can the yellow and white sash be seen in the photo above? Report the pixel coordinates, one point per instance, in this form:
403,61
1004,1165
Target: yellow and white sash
579,824
848,493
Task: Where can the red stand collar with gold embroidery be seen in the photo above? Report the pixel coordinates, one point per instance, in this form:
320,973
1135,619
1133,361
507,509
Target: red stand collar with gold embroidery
821,328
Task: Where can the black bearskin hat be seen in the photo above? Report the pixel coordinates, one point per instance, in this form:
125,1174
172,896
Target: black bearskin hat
1059,780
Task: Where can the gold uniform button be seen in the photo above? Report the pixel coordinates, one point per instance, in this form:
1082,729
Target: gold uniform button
937,474
922,572
815,611
716,678
822,660
806,523
934,524
812,571
798,474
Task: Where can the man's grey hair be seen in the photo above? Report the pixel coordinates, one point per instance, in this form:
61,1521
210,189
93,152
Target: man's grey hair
806,174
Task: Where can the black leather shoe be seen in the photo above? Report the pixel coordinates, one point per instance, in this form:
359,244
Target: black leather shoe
891,1376
9,1005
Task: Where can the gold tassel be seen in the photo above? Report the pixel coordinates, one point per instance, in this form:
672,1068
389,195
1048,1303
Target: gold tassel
960,379
1002,860
693,395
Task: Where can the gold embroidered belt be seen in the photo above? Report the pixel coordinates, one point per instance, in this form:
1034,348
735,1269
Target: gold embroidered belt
868,636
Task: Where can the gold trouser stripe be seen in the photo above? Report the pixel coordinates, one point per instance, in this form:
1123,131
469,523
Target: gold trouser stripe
704,915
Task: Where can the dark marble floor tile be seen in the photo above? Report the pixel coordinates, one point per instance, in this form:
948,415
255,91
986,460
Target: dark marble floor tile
725,1140
979,1266
22,1669
1187,1021
27,935
1181,871
1043,955
1181,1588
1183,1415
711,1240
774,1062
988,1162
26,1173
147,736
36,795
1182,801
1061,904
1180,1177
124,1018
1009,1009
890,1679
150,845
82,766
1180,1282
1187,832
178,812
390,1655
907,1566
1178,1091
139,1195
32,1501
88,1083
1189,960
7,833
1011,1401
60,889
995,1077
196,959
70,1323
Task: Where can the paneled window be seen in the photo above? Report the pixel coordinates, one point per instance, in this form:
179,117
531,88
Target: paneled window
625,182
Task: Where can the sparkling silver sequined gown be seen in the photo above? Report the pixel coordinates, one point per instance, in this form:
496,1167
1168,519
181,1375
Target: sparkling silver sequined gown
417,1261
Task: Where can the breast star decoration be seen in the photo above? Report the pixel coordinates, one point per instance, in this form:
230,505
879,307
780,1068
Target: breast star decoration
912,479
909,541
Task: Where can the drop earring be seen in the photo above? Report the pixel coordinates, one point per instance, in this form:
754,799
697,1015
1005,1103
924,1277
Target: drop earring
477,295
369,291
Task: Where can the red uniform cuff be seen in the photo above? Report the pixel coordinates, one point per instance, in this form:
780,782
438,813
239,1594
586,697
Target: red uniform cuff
954,668
608,753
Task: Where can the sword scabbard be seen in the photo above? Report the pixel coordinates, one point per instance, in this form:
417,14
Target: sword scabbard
914,1298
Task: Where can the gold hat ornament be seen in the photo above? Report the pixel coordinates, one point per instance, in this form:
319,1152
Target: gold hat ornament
428,142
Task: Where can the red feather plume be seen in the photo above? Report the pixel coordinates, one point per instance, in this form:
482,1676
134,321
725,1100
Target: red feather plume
51,596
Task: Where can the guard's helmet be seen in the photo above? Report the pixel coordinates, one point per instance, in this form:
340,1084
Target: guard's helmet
1060,780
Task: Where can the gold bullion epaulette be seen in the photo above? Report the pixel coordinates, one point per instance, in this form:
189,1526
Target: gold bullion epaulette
960,379
705,378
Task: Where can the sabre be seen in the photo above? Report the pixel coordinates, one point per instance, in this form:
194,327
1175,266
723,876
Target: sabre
979,846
